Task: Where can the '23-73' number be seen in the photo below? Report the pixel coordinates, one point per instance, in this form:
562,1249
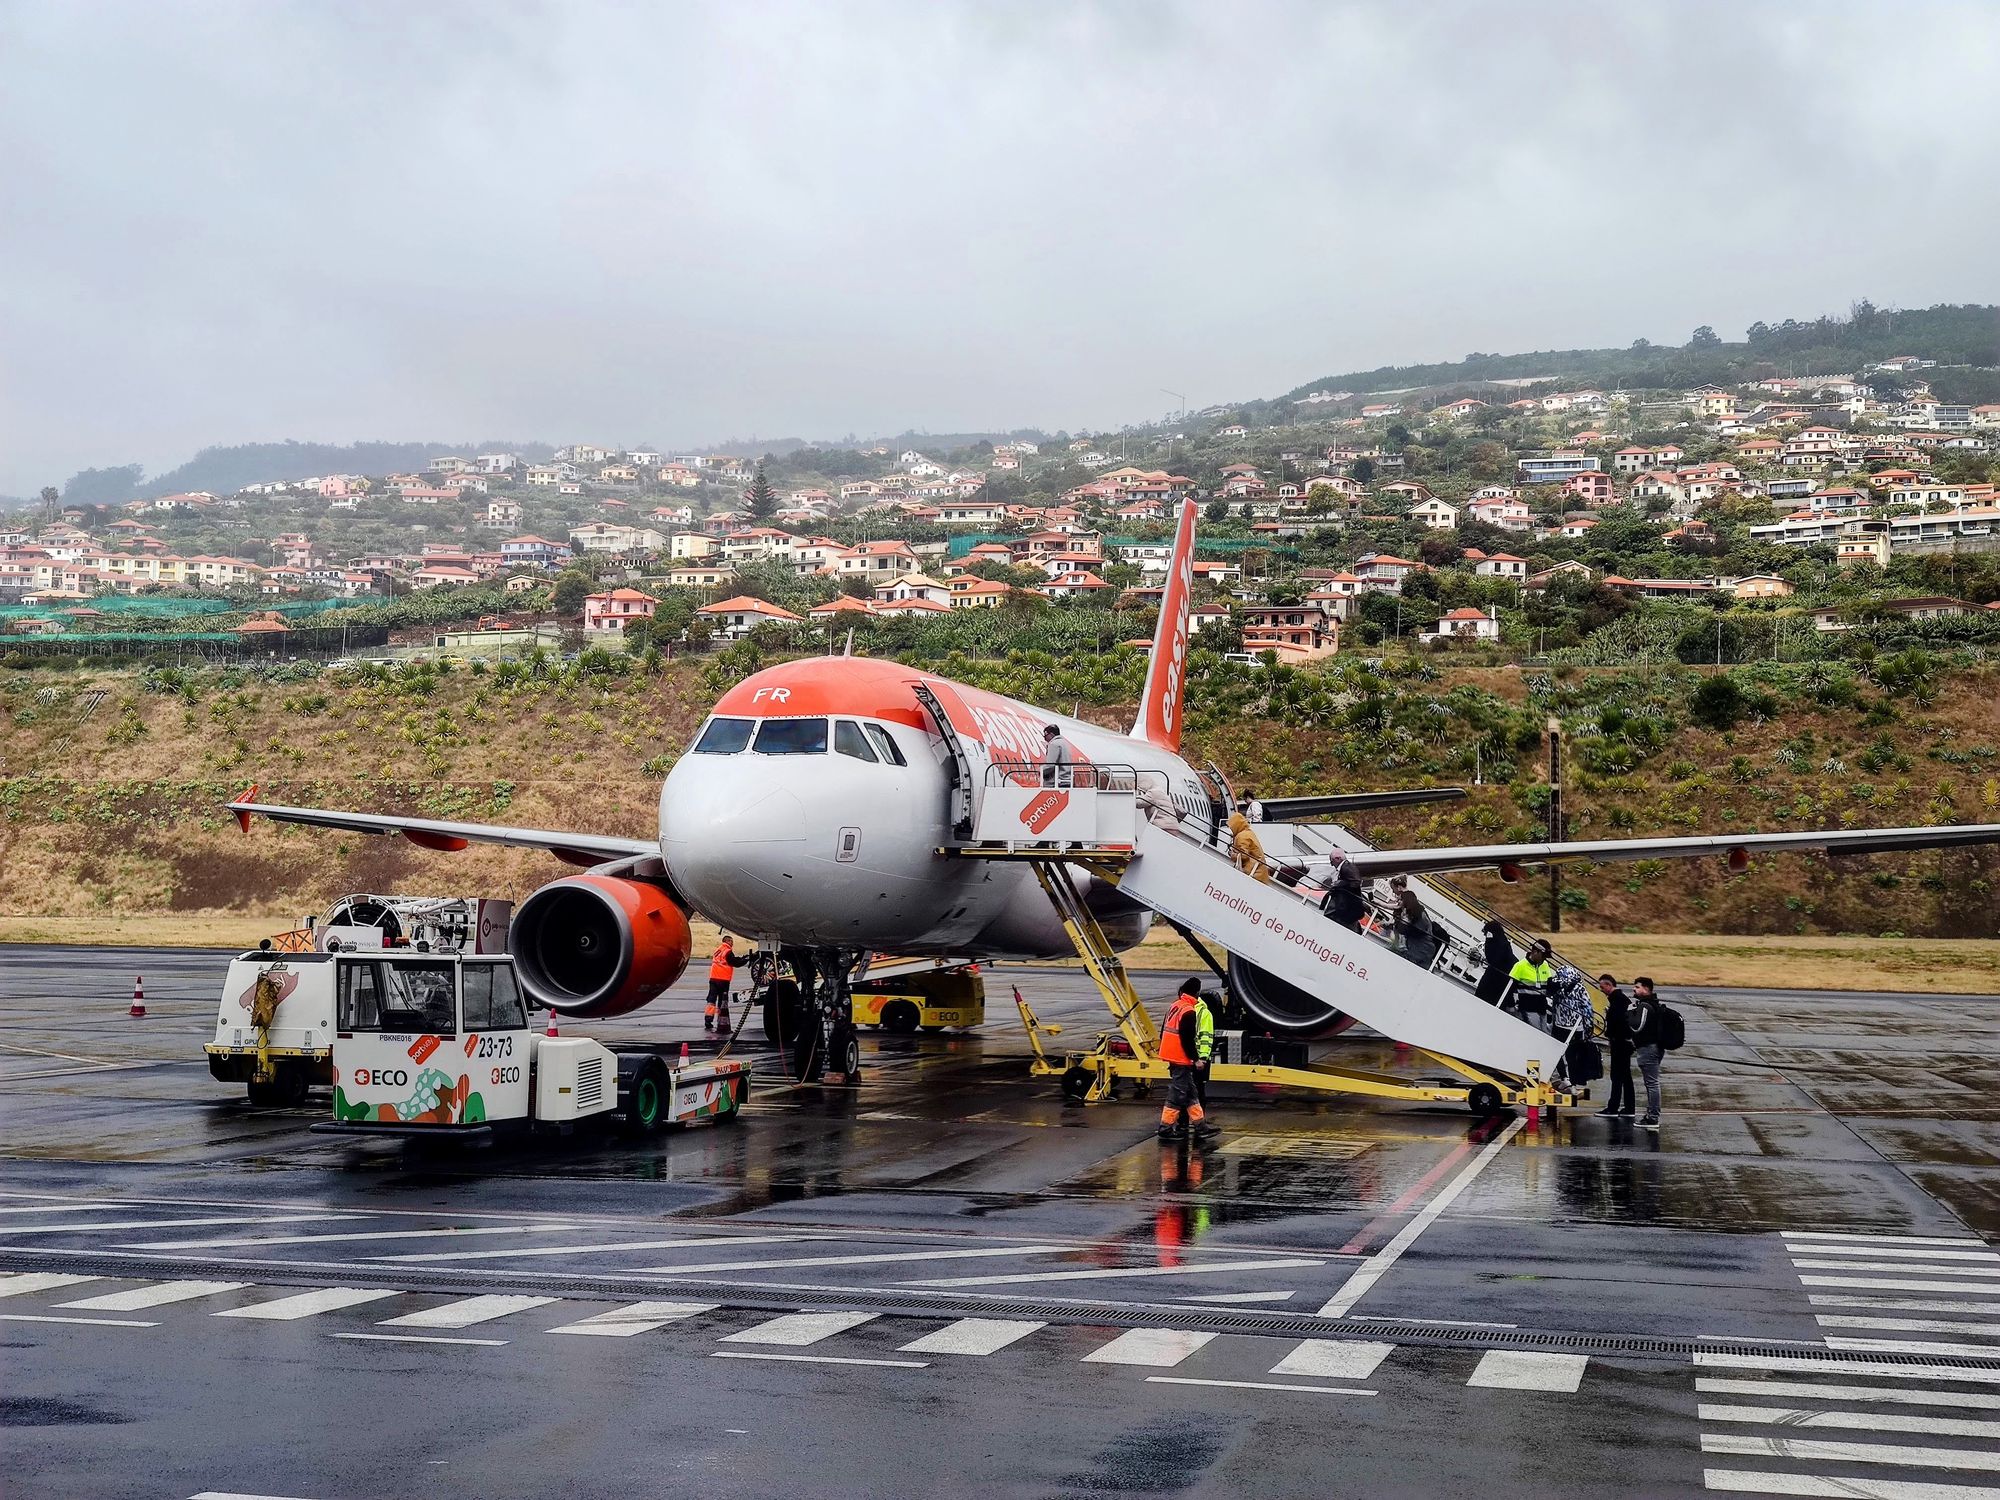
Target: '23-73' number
496,1046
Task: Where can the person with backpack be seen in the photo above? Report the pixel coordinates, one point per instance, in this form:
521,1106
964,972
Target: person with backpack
1656,1029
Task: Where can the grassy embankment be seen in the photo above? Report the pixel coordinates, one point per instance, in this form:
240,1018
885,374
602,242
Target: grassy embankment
111,830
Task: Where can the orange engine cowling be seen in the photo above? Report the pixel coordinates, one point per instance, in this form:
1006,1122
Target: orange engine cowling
596,945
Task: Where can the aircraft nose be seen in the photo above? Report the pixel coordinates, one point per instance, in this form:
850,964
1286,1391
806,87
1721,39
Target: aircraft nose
734,835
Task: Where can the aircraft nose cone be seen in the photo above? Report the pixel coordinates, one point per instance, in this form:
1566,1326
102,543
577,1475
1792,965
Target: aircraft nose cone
736,844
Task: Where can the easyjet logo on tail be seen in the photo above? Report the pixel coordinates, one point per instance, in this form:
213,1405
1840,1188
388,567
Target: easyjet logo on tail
1161,705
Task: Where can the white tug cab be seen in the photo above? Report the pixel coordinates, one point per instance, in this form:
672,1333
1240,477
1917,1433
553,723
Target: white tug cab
439,1045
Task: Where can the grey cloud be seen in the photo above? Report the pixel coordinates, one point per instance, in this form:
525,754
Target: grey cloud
242,221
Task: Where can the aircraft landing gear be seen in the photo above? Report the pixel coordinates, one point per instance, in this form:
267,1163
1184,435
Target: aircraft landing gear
825,1046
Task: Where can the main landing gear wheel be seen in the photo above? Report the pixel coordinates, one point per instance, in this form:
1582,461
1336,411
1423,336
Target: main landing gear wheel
1076,1083
805,1053
846,1056
1484,1100
900,1017
784,1012
646,1105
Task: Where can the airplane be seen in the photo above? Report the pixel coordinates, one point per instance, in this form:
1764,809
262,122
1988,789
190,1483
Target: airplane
818,805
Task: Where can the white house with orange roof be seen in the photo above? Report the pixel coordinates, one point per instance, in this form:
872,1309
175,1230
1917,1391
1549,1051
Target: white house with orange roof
735,618
1465,624
876,561
1076,583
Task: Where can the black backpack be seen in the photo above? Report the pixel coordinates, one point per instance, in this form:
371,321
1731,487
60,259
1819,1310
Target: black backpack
1673,1030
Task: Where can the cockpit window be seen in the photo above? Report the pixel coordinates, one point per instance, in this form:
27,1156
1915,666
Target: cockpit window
724,736
849,740
886,744
791,737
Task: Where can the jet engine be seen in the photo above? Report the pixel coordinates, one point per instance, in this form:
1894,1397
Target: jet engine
1283,1006
598,945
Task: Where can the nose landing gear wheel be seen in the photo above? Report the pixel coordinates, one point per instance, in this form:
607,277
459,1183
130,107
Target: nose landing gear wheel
847,1053
805,1053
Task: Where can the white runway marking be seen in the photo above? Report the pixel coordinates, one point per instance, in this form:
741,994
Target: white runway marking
1839,1236
972,1336
1377,1265
1523,1370
21,1282
1904,1346
1908,1325
1866,1421
1906,1268
1743,1446
638,1317
602,1247
233,1495
1887,1252
799,1329
466,1311
1764,1482
54,1208
87,1322
1971,1400
1716,1360
1334,1359
310,1304
1240,1297
819,1359
417,1338
1148,1346
871,1258
157,1295
1113,1273
1261,1385
367,1234
1902,1304
1878,1284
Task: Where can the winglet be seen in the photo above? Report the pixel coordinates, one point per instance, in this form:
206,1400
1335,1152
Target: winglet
242,814
1161,705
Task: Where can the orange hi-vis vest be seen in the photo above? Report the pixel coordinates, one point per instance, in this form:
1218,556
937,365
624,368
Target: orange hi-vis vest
1171,1050
719,966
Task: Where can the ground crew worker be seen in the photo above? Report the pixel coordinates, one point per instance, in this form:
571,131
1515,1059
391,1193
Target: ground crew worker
1204,1045
1183,1045
1531,976
722,965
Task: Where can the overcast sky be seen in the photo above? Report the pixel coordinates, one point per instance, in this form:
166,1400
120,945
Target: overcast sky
681,223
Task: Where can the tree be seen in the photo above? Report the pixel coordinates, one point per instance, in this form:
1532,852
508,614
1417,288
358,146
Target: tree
572,588
1362,471
1717,703
51,501
760,501
1217,510
1704,337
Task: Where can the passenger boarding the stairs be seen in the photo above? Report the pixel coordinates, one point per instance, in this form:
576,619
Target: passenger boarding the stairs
1246,849
1346,902
1531,977
1416,932
1575,1019
1500,958
1185,1043
1058,758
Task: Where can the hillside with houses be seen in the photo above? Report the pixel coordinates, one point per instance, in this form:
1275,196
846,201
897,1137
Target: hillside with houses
1531,520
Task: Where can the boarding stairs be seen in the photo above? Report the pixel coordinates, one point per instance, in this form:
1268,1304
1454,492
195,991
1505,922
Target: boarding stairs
1093,819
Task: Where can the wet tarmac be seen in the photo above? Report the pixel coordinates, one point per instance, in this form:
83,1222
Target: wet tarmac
999,1291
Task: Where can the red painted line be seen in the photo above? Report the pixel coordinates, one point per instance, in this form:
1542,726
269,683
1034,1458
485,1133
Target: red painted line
1375,1228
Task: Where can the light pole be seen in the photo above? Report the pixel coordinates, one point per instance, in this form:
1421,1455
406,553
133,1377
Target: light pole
1555,820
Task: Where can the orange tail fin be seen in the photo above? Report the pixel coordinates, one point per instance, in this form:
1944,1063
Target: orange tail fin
1161,706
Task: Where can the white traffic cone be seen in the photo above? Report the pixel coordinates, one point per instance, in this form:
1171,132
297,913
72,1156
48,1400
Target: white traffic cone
684,1054
552,1025
138,996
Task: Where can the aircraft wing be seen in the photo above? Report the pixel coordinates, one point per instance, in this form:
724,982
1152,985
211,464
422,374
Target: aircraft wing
433,833
1736,847
1307,809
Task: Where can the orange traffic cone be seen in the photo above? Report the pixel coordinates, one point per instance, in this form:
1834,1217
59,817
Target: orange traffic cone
138,996
684,1054
552,1025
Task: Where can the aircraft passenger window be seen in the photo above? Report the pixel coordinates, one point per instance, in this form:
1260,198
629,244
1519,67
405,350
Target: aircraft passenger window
849,740
791,737
886,743
724,736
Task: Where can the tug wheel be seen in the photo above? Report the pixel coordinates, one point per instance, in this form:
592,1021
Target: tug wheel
1076,1083
1483,1099
900,1017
